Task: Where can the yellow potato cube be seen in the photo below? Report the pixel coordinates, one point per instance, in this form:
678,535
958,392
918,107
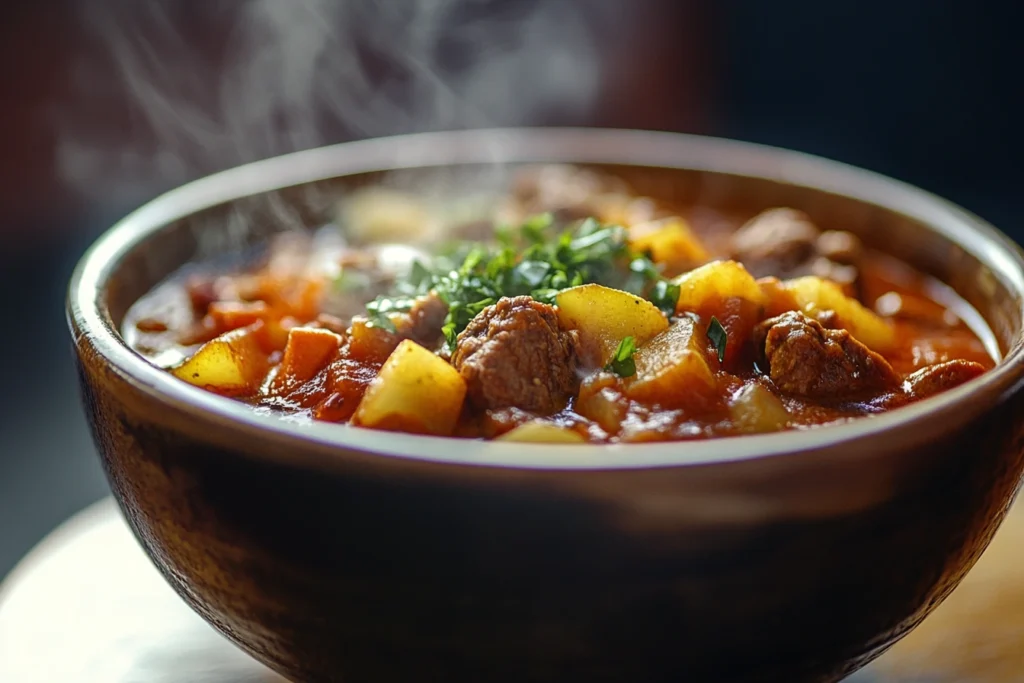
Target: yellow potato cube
233,364
415,391
541,432
714,283
814,294
605,316
726,291
755,410
672,369
669,241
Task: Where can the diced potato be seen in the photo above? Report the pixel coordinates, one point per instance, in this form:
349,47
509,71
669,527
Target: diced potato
707,286
232,364
307,352
726,291
600,400
672,369
542,432
813,294
669,241
415,391
605,316
755,410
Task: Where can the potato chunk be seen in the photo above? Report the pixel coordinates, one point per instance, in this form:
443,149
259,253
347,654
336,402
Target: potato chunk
725,290
672,370
707,286
669,241
541,432
233,364
755,410
415,391
605,316
813,295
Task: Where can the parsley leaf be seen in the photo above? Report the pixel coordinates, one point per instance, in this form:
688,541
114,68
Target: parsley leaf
622,363
665,296
532,260
718,336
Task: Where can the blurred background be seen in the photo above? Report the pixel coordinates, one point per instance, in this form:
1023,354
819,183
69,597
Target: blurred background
106,103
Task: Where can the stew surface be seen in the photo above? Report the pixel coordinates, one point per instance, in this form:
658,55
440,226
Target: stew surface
583,312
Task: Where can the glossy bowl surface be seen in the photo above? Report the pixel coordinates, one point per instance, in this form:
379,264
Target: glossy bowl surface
334,553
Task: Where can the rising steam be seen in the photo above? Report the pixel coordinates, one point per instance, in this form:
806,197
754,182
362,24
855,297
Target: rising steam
159,104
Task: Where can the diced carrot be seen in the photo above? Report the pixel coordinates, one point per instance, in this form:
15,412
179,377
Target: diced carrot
306,353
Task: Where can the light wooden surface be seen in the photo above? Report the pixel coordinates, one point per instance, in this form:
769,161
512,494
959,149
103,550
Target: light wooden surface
86,606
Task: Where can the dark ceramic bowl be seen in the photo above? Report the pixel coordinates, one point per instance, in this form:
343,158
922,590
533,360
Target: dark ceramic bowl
339,554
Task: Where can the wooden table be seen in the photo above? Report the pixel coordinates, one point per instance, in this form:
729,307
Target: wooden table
86,606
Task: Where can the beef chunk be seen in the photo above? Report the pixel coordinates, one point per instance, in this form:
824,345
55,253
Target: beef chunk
786,243
840,247
935,379
423,322
775,242
807,359
930,381
514,354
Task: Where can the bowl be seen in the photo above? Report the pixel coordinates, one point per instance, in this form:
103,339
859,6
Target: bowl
339,554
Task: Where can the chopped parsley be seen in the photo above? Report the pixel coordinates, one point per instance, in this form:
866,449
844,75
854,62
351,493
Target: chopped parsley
622,363
535,259
665,296
718,336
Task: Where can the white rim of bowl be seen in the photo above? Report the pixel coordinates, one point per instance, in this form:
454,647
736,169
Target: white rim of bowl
649,149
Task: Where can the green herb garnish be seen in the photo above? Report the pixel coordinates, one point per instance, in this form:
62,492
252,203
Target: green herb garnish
665,296
718,336
622,363
532,260
380,311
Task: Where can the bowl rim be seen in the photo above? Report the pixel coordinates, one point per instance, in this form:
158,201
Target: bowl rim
90,322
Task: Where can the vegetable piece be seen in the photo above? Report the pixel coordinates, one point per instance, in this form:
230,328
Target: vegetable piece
723,290
755,410
719,337
370,343
814,295
600,399
415,391
672,369
529,261
232,315
307,352
622,360
669,241
233,364
605,316
541,432
715,282
665,295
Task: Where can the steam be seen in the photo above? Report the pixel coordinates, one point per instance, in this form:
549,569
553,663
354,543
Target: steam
158,105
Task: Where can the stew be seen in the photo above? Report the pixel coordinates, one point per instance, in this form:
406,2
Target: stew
588,314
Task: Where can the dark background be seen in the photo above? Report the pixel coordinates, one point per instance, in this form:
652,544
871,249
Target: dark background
928,91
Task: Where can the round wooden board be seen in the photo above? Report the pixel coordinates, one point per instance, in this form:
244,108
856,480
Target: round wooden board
86,606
